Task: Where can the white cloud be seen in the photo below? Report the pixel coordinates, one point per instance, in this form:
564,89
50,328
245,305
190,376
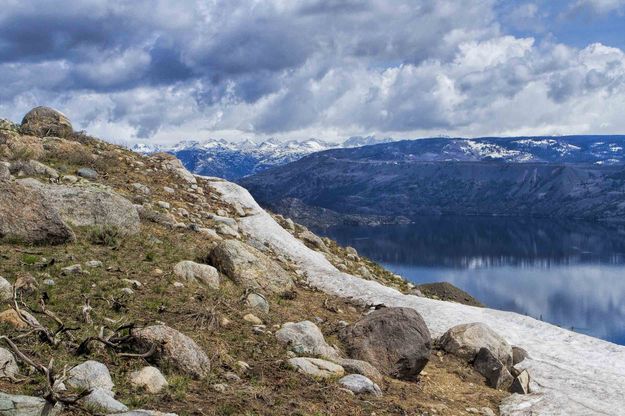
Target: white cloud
168,70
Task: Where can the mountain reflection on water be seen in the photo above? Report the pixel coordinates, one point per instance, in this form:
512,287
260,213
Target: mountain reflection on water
568,273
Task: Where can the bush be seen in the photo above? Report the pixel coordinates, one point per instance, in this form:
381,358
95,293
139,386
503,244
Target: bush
104,236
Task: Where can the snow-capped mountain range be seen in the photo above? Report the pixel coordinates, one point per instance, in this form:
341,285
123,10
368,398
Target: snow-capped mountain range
235,160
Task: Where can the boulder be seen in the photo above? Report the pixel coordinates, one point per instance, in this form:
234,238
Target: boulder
316,367
5,173
45,121
197,273
521,383
87,173
496,373
17,405
89,204
91,375
394,340
174,348
518,355
360,384
170,163
8,365
6,290
27,216
313,241
102,400
32,168
258,302
249,267
305,338
466,340
150,379
360,367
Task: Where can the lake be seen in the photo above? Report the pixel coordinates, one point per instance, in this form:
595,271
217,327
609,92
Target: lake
569,273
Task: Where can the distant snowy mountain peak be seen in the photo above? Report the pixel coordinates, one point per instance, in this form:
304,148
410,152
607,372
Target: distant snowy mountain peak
234,160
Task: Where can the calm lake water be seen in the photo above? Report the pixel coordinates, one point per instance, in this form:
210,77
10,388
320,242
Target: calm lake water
571,274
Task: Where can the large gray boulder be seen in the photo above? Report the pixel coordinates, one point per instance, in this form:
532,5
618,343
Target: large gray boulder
26,215
395,340
91,375
17,405
305,338
192,272
89,204
45,121
173,347
249,267
8,365
466,340
172,164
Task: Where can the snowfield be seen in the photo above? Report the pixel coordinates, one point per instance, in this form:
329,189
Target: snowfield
572,374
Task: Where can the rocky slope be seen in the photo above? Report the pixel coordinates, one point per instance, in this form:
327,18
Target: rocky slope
412,179
194,300
127,283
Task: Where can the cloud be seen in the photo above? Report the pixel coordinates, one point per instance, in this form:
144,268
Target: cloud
168,70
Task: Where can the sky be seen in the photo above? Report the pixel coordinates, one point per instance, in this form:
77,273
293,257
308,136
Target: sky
165,70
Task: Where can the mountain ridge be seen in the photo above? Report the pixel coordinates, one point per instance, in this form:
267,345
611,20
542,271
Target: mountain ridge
572,177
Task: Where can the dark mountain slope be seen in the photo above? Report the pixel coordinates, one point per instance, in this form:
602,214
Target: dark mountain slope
395,180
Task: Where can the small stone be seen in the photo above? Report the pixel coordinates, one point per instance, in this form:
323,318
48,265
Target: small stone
163,204
360,384
49,282
487,411
157,272
87,173
8,365
198,273
316,367
6,289
102,400
253,319
219,387
94,264
70,179
141,188
232,377
224,322
169,190
73,269
243,366
127,291
178,285
134,283
150,379
258,302
521,383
